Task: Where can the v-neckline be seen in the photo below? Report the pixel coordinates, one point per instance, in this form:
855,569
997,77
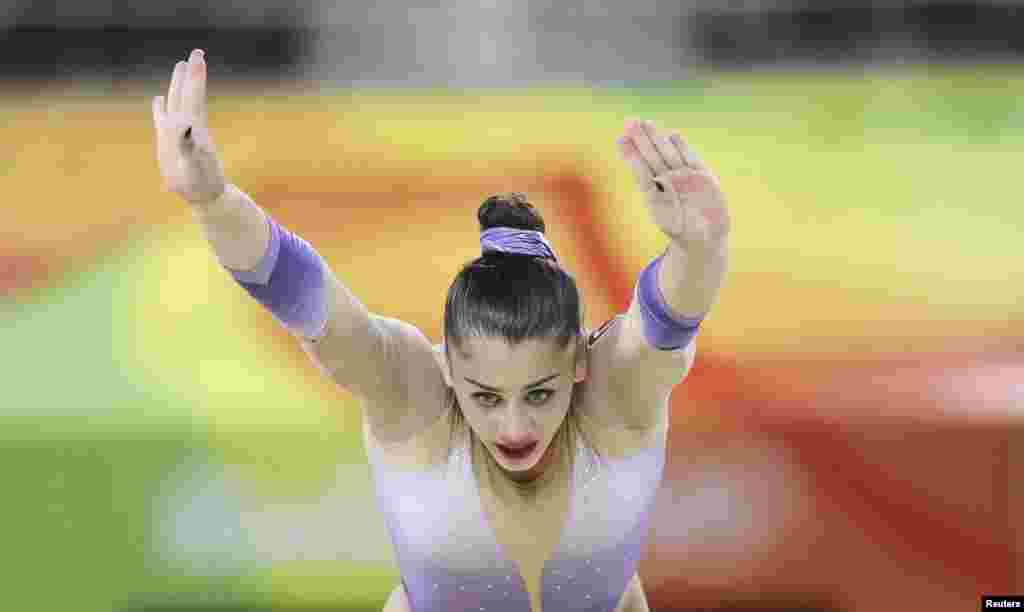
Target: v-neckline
489,527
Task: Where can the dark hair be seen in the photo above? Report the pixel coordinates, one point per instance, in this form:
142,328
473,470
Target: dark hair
514,297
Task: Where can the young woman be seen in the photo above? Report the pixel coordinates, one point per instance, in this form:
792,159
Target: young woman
517,461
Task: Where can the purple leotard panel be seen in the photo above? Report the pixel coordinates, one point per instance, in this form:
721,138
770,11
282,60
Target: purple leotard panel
450,559
290,282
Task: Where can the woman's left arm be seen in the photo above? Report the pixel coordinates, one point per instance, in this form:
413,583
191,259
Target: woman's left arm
656,345
686,202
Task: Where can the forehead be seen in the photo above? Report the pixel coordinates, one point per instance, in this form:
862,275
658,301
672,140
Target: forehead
499,359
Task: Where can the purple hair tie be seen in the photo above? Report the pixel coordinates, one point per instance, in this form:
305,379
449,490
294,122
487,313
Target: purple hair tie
516,241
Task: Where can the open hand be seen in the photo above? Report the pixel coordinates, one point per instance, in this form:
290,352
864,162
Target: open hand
184,146
683,194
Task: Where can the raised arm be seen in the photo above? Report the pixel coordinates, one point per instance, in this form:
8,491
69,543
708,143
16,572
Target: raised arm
653,345
387,363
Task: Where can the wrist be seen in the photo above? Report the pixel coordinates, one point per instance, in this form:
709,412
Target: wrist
225,202
702,251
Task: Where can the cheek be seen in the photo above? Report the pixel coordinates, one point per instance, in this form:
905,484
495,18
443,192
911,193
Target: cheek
553,415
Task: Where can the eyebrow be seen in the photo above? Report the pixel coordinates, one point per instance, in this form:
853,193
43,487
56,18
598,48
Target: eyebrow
529,386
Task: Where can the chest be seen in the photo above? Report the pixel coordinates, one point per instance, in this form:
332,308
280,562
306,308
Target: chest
528,533
462,544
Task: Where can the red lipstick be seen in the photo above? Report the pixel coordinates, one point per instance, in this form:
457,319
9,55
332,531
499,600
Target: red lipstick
518,453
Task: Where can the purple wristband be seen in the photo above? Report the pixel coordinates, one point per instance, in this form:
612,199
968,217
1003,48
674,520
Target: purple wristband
290,282
664,328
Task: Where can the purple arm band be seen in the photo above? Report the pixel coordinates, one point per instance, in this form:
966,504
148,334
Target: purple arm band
290,282
664,328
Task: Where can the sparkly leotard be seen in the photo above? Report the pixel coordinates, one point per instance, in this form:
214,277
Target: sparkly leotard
450,559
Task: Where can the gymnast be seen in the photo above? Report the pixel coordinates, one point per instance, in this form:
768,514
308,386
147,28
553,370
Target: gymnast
515,462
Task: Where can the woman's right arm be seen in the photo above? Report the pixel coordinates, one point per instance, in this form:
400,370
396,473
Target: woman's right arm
387,363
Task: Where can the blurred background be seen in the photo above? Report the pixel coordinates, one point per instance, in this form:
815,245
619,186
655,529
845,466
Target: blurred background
851,437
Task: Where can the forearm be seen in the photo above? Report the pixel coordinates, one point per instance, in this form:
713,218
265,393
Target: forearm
690,280
236,228
276,267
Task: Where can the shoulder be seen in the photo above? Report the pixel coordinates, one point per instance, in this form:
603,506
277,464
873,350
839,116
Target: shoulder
600,331
628,381
423,450
619,349
643,364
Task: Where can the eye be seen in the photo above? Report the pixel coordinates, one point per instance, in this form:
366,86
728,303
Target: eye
547,393
487,399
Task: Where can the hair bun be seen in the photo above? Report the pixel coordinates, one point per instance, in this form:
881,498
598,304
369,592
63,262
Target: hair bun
509,209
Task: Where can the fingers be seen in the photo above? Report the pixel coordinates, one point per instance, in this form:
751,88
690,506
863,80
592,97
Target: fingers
663,146
194,100
662,152
638,134
689,154
158,118
174,94
681,181
679,145
642,172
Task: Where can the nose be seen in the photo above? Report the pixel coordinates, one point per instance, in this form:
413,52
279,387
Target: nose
516,430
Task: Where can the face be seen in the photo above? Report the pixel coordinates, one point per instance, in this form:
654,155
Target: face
515,397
